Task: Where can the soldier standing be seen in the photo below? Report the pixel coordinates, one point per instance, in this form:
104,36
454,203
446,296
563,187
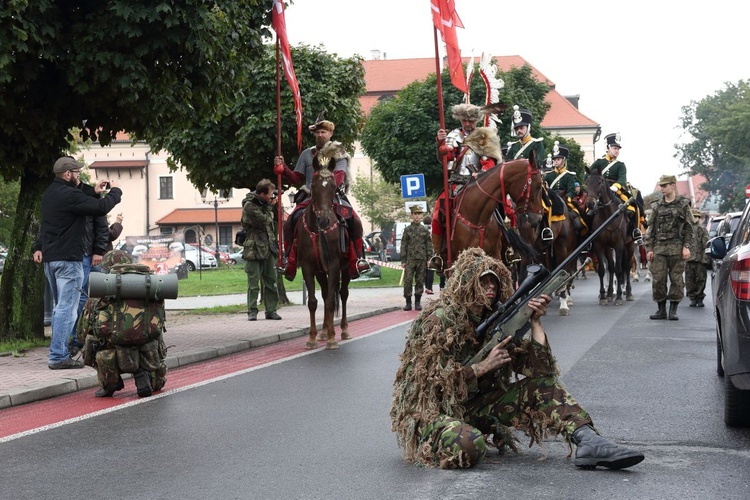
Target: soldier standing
415,247
669,238
695,269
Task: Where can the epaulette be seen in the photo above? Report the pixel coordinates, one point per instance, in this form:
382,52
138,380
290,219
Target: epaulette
537,139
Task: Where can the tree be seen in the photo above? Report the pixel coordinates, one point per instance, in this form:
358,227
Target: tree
379,201
400,133
719,125
108,66
237,149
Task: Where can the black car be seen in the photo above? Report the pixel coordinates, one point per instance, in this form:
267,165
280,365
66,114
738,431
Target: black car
731,294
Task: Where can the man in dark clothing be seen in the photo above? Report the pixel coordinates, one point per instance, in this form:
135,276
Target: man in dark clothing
61,242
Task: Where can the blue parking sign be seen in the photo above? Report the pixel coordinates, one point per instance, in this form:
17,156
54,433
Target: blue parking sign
412,186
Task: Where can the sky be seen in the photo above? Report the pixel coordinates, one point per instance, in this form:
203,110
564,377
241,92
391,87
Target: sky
634,63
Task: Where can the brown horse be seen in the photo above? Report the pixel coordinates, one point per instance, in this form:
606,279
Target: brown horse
614,246
322,241
478,219
553,252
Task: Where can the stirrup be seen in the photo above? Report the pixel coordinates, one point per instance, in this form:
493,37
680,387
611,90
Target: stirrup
637,237
363,266
547,234
436,263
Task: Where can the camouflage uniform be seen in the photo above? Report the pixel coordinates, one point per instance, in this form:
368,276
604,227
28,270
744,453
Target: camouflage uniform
416,247
695,269
441,412
669,230
260,251
124,335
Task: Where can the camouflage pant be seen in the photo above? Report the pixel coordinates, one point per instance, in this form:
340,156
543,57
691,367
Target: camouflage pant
112,362
414,274
528,403
695,280
664,266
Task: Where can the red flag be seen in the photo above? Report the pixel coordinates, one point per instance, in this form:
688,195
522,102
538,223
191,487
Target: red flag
279,25
446,20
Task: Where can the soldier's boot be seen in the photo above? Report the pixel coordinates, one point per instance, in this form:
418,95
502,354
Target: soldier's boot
436,262
407,307
142,383
593,450
417,305
673,311
693,303
661,312
699,303
108,391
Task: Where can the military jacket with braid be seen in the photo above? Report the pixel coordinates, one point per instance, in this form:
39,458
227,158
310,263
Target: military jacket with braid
566,186
537,146
617,173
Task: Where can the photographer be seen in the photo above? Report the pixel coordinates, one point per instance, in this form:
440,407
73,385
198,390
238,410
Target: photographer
260,249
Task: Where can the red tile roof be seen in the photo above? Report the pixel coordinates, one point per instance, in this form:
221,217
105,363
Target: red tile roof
183,216
385,77
119,164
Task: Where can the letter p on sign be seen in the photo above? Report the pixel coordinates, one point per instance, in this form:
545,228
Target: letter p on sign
412,186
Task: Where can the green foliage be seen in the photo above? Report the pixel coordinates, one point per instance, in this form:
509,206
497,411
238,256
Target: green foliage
400,133
379,201
237,149
8,201
719,125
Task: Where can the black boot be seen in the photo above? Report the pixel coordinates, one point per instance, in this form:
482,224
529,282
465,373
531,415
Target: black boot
661,313
417,305
593,450
407,307
673,311
142,383
108,391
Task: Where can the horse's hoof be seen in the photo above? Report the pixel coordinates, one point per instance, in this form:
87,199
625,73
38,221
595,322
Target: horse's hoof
635,280
603,302
311,345
332,345
564,312
569,301
345,336
322,337
630,298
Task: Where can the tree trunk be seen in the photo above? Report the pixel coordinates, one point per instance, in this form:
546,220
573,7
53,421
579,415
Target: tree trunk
22,287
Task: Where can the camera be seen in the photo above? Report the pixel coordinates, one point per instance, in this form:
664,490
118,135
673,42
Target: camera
107,186
275,194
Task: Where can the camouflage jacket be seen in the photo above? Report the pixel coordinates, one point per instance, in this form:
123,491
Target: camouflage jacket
416,242
258,220
670,227
700,240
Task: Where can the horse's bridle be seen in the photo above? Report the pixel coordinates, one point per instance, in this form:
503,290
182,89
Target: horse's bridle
597,201
522,203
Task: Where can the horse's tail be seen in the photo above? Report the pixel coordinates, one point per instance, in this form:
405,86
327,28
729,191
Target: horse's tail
514,240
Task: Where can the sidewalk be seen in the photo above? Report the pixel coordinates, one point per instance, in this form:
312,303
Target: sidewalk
191,339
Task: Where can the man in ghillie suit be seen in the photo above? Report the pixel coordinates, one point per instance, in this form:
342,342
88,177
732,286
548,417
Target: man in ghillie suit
444,412
116,340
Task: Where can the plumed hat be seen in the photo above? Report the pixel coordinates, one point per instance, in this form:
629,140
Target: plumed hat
467,112
613,140
520,117
559,151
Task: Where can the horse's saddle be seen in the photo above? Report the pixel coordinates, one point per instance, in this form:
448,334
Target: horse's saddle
557,203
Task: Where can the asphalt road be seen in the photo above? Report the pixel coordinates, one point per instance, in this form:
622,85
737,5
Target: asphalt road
316,426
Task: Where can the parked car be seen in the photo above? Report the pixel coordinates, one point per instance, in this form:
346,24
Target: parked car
192,255
223,256
713,224
236,258
731,293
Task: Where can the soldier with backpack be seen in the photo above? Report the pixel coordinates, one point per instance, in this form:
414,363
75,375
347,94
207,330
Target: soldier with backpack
124,335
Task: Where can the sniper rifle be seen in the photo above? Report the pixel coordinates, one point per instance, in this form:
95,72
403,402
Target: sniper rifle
511,318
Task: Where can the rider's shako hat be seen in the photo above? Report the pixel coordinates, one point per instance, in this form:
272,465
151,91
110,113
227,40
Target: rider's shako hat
613,140
520,117
560,151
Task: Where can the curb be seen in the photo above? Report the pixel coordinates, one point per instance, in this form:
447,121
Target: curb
56,388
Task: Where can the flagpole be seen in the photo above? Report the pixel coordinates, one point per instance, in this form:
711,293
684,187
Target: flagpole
446,187
279,204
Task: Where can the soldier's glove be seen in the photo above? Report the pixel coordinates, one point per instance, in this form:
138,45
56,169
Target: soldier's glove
613,188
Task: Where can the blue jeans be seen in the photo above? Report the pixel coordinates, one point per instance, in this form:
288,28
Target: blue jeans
86,264
65,278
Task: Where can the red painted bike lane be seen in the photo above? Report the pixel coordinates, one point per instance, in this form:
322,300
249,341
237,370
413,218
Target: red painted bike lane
18,421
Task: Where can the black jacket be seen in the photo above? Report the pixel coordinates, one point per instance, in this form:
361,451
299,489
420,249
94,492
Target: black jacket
96,237
64,211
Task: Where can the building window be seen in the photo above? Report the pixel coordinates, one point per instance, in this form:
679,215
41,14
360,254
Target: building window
225,236
166,188
166,230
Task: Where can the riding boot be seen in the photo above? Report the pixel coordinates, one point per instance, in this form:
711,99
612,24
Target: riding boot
291,264
436,262
362,265
673,310
407,307
417,305
593,450
661,312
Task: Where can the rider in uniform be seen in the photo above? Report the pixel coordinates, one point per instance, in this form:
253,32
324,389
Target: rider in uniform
525,144
616,175
463,163
302,174
563,181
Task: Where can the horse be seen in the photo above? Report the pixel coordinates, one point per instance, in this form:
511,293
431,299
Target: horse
478,217
639,264
614,246
553,252
322,244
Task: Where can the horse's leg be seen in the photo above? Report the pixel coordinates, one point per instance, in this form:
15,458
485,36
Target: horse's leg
331,298
612,269
312,305
564,309
344,294
323,282
602,260
628,288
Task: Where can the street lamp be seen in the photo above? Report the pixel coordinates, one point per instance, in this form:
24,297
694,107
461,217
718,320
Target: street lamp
223,193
